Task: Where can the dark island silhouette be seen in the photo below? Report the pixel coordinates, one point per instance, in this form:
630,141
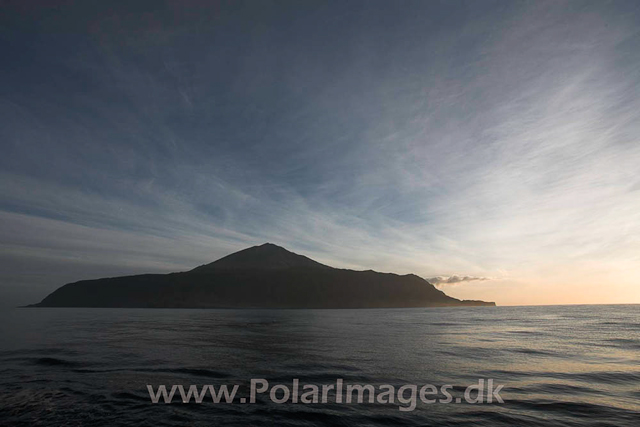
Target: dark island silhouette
266,276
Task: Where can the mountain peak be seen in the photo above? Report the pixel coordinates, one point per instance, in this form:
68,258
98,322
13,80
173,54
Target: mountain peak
269,246
266,256
265,276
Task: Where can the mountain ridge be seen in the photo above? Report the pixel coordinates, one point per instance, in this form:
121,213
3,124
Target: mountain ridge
266,256
264,276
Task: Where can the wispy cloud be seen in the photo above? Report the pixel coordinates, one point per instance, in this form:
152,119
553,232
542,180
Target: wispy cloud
433,143
440,281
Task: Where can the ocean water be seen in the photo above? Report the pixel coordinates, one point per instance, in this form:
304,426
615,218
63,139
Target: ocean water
561,365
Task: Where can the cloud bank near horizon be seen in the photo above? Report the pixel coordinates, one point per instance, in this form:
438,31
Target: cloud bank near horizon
441,281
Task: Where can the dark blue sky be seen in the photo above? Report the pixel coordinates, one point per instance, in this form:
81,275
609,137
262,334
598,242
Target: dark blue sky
496,140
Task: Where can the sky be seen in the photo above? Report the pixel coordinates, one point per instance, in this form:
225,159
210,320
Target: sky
491,147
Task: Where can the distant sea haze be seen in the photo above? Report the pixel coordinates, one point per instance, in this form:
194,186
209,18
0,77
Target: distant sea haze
560,365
